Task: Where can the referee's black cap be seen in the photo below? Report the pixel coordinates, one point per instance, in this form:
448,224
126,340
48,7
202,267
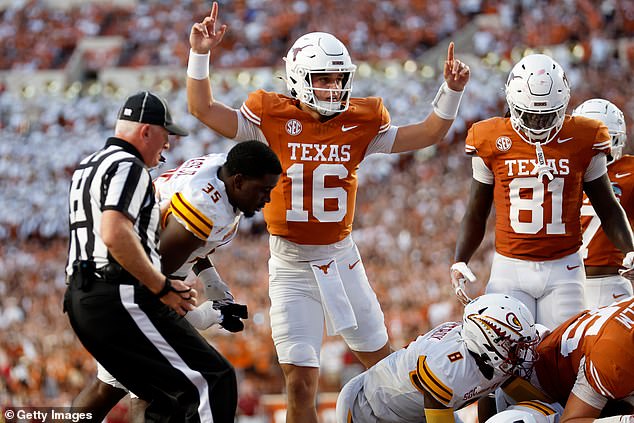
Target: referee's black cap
147,107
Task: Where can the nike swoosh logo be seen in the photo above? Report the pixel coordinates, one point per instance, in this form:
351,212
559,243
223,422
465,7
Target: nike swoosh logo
560,141
351,266
622,175
569,267
616,297
345,128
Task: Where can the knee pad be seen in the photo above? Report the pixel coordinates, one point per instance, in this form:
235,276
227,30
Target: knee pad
300,355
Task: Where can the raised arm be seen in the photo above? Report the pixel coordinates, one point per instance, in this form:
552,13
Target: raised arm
434,128
203,38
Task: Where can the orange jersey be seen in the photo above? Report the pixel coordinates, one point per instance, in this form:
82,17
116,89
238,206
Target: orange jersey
597,249
314,201
605,337
537,219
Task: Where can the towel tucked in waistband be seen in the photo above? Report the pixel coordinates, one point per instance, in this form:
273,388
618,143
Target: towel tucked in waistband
337,308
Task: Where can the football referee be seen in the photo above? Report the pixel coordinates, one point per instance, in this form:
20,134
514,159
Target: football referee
125,312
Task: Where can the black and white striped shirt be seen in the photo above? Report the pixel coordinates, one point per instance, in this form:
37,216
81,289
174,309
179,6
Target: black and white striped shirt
114,178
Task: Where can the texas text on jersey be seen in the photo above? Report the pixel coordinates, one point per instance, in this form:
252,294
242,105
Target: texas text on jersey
314,201
528,207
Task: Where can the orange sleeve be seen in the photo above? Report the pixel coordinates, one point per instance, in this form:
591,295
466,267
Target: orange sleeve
253,109
385,118
606,369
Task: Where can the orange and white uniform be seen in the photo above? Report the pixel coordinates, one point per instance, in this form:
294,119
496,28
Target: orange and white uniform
537,228
597,249
590,355
310,220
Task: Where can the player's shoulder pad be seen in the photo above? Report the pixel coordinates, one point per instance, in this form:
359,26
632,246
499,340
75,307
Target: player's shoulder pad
482,136
260,102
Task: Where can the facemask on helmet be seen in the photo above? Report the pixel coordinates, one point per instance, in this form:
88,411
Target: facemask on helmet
316,54
537,93
612,117
501,331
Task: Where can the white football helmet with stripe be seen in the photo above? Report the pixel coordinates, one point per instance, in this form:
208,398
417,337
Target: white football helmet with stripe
501,331
537,93
612,117
319,53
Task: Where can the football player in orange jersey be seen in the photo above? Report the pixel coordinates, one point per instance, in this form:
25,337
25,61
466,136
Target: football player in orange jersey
585,364
321,134
534,166
602,259
588,361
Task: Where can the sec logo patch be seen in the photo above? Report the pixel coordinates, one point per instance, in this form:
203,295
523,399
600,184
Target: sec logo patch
293,127
503,143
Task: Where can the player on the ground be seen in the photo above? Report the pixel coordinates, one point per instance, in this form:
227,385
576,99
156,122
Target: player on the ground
446,369
588,361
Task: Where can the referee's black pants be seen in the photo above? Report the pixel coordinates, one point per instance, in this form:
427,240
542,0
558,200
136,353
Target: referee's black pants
153,352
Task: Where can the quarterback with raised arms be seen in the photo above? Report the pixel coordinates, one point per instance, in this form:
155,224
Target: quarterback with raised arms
321,134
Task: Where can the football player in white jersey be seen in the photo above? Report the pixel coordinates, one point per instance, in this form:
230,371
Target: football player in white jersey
447,368
201,203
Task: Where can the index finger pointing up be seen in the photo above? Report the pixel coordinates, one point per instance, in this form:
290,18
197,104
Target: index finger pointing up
450,52
214,11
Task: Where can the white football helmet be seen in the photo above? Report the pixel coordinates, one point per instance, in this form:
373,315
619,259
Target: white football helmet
537,92
501,331
612,117
319,53
514,416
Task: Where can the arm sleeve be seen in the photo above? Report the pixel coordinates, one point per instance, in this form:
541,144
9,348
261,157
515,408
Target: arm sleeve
247,130
481,172
383,141
584,391
597,167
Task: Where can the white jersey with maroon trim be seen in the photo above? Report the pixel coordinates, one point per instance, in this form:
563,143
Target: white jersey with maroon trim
197,198
438,364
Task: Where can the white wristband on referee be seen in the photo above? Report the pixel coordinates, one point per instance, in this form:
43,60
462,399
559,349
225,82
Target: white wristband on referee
446,102
198,65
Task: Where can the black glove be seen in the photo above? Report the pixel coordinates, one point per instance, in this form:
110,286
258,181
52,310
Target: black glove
231,315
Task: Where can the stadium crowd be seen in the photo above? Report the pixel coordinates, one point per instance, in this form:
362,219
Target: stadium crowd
154,31
409,206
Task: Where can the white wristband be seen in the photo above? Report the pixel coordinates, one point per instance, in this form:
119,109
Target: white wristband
446,102
198,65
